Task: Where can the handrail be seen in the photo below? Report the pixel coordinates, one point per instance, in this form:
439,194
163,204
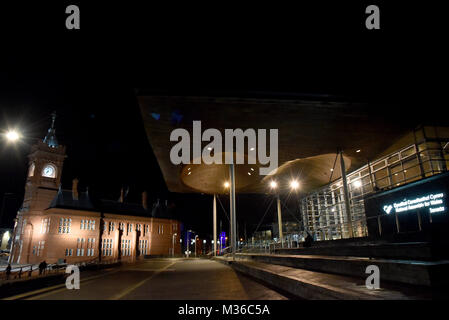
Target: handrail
54,268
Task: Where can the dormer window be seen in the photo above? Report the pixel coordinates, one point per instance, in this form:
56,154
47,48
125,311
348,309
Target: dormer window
49,171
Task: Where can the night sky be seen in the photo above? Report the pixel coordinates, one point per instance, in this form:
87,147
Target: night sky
90,76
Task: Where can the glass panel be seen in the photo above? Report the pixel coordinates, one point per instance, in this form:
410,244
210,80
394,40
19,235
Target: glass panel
413,162
412,174
364,172
379,165
393,159
381,177
408,152
397,179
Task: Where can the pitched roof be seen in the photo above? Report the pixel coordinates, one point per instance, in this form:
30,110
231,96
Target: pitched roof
64,199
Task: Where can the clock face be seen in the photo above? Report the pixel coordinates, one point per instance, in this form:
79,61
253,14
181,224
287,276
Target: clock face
49,171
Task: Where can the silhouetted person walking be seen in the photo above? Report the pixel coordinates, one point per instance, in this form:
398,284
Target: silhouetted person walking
8,271
44,267
308,241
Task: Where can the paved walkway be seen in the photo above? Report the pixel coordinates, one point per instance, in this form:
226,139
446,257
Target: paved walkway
183,279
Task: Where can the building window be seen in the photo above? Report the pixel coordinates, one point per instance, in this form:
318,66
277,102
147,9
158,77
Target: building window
80,247
64,225
45,226
107,247
40,247
160,229
126,247
68,252
31,171
143,245
90,247
111,226
87,224
24,223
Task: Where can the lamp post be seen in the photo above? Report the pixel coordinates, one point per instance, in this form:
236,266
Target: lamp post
188,243
173,241
232,211
214,221
194,241
273,186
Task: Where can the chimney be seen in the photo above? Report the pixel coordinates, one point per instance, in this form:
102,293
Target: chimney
75,189
144,200
121,196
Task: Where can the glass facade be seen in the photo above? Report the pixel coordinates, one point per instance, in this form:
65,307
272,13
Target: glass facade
323,211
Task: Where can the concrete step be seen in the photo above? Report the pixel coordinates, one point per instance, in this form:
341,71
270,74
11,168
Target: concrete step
312,285
414,251
422,273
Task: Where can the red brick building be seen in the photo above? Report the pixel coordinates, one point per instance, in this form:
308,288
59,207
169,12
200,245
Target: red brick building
55,224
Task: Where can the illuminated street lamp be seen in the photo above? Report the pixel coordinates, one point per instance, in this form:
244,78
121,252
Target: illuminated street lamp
294,184
226,184
273,184
12,136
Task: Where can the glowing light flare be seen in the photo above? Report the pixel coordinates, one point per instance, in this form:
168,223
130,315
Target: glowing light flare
12,135
294,184
357,183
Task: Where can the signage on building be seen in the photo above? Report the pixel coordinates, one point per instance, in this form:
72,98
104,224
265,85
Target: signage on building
433,202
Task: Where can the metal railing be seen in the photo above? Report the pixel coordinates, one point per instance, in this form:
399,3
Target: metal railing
360,225
32,270
324,209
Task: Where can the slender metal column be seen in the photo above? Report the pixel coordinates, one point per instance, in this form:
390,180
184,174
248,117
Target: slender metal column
281,235
215,225
232,211
346,194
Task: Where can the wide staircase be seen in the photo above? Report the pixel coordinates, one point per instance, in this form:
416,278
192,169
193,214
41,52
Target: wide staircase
338,269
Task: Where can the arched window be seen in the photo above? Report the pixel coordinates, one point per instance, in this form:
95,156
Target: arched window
49,171
31,170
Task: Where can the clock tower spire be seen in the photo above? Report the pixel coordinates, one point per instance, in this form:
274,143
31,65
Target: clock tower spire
45,163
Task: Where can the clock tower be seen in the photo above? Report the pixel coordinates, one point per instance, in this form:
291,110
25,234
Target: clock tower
45,163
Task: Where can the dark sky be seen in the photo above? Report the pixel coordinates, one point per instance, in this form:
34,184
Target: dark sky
90,76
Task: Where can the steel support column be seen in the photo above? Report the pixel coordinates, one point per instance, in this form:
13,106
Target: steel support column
232,210
281,235
346,195
215,225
